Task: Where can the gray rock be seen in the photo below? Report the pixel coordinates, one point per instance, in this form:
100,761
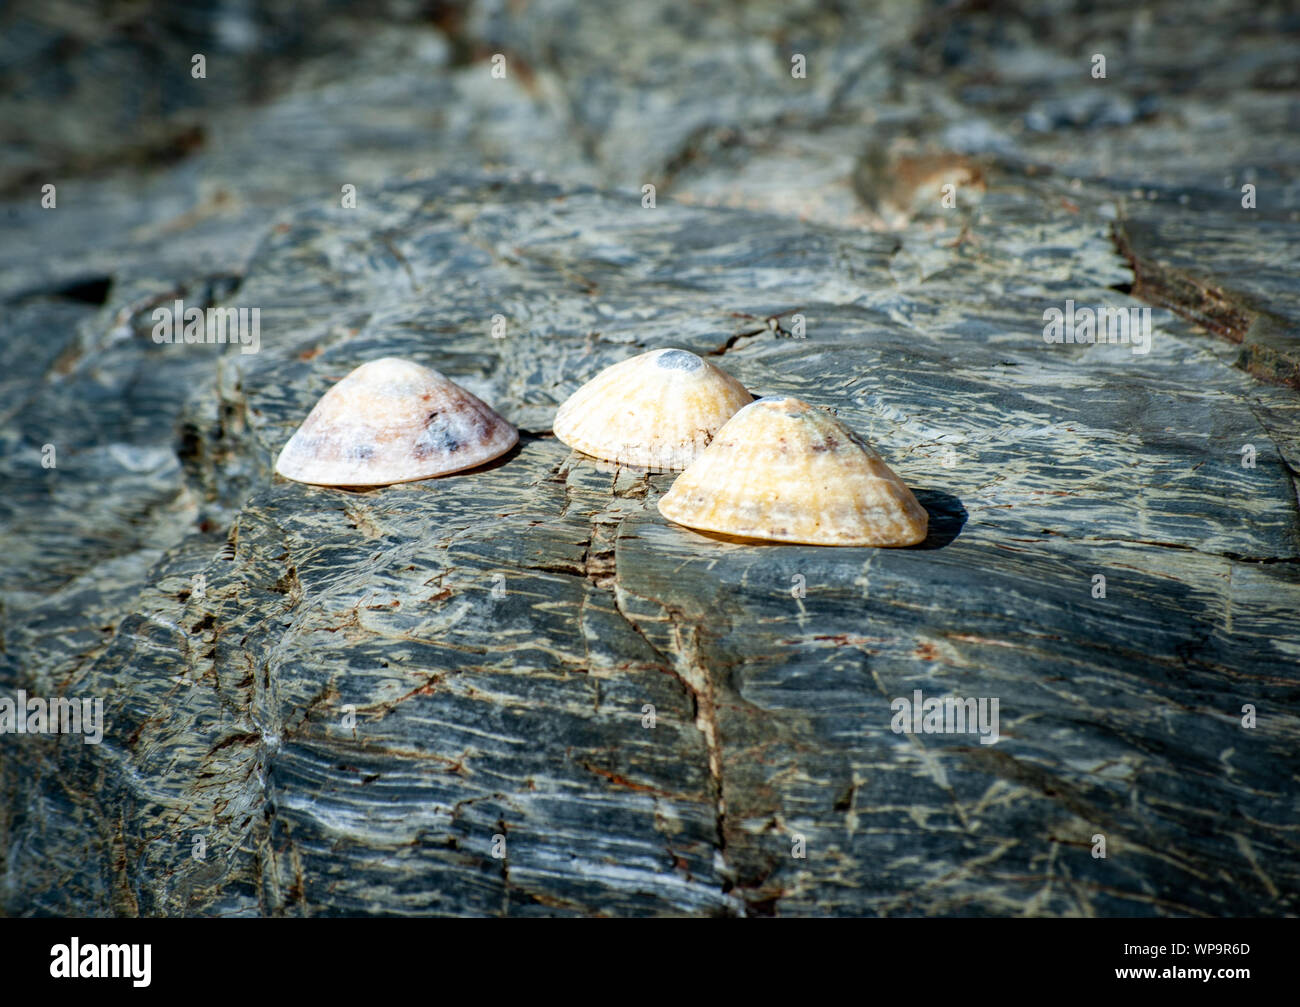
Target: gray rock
353,702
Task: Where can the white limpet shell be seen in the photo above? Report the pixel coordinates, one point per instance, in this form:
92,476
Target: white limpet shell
785,471
393,421
657,410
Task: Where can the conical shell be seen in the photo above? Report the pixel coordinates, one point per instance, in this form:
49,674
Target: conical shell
785,471
391,421
658,410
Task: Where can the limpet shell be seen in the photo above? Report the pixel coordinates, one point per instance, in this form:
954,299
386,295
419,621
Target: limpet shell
785,471
658,410
393,421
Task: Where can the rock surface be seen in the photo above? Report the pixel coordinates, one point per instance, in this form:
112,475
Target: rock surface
357,700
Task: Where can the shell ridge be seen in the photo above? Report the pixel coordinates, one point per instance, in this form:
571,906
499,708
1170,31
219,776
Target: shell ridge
392,420
782,470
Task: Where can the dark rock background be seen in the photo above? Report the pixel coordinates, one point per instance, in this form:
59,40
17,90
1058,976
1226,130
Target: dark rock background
228,617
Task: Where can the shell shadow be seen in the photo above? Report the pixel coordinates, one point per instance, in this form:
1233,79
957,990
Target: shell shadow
498,461
947,518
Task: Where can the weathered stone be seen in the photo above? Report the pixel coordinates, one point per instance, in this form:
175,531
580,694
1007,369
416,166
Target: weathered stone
499,635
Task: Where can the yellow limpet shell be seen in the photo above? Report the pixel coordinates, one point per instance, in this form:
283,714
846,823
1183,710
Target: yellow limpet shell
785,471
392,421
658,410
